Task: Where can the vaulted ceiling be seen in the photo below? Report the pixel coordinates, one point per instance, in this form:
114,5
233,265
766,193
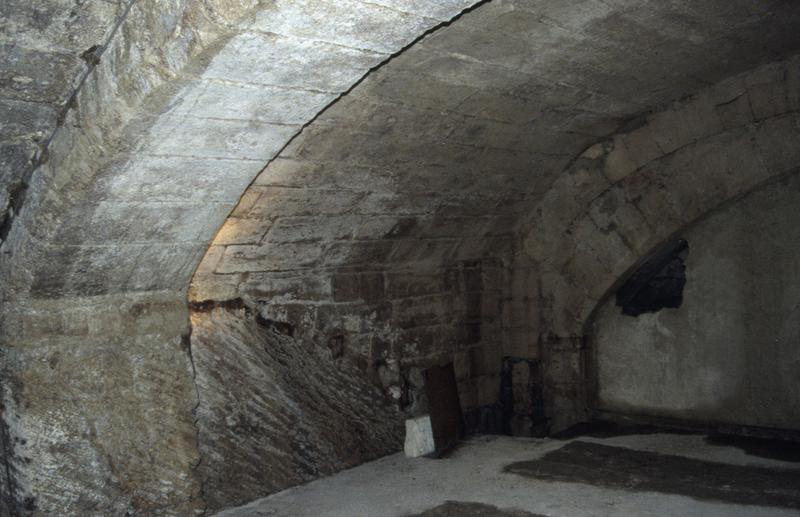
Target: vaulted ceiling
464,129
278,143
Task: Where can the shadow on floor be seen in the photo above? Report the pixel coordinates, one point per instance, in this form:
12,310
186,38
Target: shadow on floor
762,447
460,509
609,429
641,471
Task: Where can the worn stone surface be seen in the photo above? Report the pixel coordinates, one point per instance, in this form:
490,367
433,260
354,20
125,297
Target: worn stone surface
391,324
42,44
508,107
303,411
97,421
521,397
213,95
613,222
459,509
440,196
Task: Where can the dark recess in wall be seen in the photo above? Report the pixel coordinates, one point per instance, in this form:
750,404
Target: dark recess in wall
446,416
522,398
658,283
521,409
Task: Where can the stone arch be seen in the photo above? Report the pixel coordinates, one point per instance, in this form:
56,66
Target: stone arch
722,355
181,109
240,91
108,236
622,198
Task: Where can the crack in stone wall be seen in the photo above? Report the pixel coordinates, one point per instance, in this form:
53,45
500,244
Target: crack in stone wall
18,181
186,344
7,492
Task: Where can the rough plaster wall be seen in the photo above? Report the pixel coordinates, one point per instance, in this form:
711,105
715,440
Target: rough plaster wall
730,353
275,412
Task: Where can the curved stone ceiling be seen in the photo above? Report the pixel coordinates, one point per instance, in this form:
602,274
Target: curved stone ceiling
182,111
445,152
189,100
48,47
621,199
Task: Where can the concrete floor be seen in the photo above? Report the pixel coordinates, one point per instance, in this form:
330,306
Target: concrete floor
653,474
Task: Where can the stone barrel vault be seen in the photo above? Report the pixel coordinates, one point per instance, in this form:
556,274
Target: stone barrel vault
325,197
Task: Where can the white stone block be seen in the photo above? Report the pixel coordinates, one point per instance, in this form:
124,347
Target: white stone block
419,437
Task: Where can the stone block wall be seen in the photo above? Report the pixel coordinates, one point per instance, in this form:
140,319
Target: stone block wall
366,329
389,322
48,50
129,188
416,176
347,269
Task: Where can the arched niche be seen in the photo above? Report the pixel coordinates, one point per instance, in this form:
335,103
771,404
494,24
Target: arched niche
728,354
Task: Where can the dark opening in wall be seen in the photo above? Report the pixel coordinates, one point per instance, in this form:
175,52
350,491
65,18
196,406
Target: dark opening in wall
658,283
